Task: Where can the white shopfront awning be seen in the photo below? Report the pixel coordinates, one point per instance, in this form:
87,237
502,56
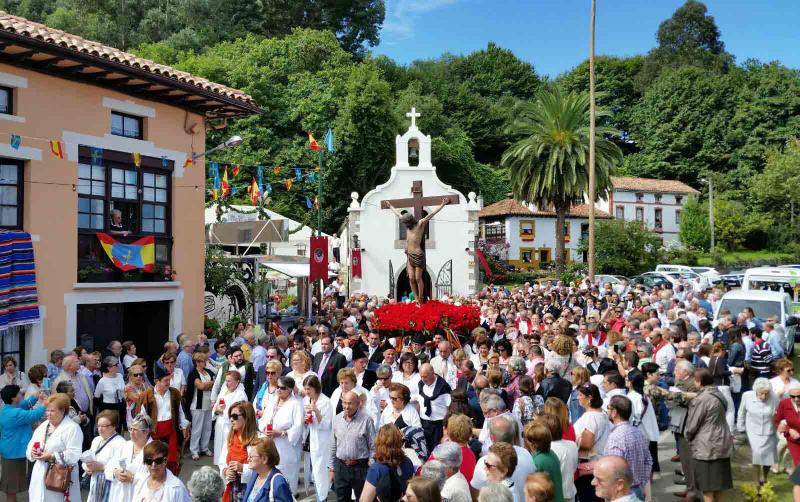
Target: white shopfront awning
295,270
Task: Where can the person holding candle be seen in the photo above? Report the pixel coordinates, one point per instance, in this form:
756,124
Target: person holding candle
56,440
129,461
283,422
231,393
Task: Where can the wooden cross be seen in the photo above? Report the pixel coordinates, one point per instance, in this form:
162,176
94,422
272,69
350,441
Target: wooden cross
413,115
417,201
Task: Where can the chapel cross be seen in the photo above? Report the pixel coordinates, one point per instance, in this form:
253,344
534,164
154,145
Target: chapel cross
413,115
417,201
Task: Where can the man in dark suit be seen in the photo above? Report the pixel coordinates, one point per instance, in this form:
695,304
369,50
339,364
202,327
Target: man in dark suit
364,377
468,373
327,364
374,351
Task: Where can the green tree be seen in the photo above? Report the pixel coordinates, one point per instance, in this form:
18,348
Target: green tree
731,224
776,190
624,247
689,38
680,126
548,162
695,232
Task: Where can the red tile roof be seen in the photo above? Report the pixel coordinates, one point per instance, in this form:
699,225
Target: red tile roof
19,30
511,207
633,184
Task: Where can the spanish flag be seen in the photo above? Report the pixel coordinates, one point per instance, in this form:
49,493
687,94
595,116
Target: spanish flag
137,255
312,143
236,169
226,187
57,148
255,192
137,159
188,162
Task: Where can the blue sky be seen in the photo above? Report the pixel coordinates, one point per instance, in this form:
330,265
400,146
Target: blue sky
554,35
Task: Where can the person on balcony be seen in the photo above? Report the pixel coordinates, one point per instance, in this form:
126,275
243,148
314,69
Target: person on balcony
116,227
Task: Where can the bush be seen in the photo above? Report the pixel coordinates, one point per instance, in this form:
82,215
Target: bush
752,493
683,256
624,247
573,273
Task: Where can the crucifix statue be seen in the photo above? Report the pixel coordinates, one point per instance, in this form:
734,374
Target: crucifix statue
415,232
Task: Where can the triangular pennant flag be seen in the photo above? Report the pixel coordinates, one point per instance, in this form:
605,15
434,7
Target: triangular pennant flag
298,174
16,141
309,204
234,190
57,148
226,187
164,162
312,143
312,176
288,184
268,189
97,156
260,175
137,159
329,141
277,170
188,163
316,202
236,169
255,191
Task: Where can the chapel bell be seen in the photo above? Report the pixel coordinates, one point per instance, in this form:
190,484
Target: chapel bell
413,152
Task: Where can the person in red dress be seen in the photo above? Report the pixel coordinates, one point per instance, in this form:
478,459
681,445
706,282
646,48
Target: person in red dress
787,420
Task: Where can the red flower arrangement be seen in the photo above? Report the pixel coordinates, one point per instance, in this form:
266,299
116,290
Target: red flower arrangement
410,317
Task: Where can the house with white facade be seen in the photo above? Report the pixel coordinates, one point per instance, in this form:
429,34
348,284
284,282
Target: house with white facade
525,236
657,203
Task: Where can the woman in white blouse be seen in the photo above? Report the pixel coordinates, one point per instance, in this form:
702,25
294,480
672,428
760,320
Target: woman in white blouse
110,390
105,447
408,374
301,368
230,393
11,375
319,420
158,484
400,411
591,433
283,422
128,462
55,440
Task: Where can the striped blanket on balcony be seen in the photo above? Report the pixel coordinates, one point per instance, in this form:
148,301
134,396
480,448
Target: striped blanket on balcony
18,296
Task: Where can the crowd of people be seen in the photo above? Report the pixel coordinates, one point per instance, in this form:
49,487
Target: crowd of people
563,392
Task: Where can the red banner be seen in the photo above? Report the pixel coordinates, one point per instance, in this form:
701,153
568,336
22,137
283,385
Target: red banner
484,263
355,263
319,259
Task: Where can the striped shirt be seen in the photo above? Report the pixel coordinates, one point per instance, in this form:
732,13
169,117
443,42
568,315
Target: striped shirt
353,439
629,442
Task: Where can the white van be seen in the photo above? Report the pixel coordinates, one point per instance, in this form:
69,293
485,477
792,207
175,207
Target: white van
765,304
782,279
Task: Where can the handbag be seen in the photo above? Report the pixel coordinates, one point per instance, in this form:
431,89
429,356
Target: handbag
585,469
58,477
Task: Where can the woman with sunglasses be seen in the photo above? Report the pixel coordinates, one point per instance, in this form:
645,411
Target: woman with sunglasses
233,452
159,484
135,388
400,411
267,484
283,423
104,448
230,393
268,393
198,395
500,463
110,389
129,460
408,374
319,419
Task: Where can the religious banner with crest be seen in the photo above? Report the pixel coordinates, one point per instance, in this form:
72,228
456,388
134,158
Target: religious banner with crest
318,261
355,263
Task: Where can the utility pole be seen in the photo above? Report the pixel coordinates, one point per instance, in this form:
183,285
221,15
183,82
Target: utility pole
711,209
592,188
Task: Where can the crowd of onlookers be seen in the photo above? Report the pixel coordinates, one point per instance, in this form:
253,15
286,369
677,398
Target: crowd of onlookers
562,393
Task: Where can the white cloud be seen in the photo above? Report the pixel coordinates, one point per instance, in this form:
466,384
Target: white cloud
401,15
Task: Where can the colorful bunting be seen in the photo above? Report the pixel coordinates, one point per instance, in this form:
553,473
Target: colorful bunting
236,169
97,156
16,141
260,174
57,148
316,202
312,143
288,183
255,192
226,187
277,170
329,141
309,204
188,162
298,174
268,189
312,176
137,159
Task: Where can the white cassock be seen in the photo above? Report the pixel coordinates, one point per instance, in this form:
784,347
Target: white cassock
320,445
223,422
119,491
290,418
377,394
106,455
171,491
66,439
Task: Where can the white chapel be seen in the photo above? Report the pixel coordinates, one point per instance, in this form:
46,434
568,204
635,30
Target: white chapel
377,232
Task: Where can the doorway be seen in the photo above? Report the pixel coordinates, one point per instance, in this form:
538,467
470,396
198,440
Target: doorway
404,286
144,323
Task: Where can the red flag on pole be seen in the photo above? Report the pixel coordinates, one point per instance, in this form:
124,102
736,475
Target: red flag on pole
355,263
319,259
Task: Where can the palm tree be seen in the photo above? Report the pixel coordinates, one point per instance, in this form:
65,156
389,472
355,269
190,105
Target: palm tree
548,162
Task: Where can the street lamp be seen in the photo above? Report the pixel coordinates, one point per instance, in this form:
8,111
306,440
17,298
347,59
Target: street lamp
231,142
707,181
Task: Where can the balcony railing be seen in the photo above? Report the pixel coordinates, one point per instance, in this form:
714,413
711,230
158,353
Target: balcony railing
94,265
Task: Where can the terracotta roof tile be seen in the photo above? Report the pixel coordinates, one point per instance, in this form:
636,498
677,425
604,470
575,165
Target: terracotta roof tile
630,183
511,207
38,31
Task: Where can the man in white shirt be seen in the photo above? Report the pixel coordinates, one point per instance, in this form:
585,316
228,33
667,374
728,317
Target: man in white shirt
444,365
503,430
456,487
433,399
342,346
493,406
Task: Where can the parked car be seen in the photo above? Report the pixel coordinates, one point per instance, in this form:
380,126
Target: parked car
765,304
733,279
709,273
652,279
614,280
